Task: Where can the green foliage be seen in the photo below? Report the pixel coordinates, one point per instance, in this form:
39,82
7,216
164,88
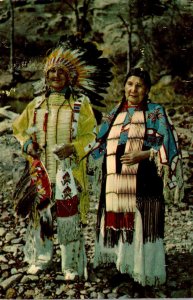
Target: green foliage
162,94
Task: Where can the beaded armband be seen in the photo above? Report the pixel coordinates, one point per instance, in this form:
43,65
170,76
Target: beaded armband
28,142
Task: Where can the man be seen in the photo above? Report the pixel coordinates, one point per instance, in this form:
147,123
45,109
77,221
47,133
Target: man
56,131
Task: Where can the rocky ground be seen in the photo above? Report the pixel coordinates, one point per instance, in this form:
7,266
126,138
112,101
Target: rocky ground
16,284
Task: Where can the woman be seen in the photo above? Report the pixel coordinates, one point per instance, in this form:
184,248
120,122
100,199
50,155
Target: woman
56,130
141,163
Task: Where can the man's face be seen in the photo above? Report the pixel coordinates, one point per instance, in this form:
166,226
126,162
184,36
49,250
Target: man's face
57,79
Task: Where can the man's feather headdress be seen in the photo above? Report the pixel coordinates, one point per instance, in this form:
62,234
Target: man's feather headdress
87,72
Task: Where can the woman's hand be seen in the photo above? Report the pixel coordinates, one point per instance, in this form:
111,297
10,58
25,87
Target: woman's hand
134,157
64,151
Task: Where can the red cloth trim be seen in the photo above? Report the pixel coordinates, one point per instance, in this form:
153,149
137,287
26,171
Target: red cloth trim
67,208
34,124
119,220
45,122
40,178
126,106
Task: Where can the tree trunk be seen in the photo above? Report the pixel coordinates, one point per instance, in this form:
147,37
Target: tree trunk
11,64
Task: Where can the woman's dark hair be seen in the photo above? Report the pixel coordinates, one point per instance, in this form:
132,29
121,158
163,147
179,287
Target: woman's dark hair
139,72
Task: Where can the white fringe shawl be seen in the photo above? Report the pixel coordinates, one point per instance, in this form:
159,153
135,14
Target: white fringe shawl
121,188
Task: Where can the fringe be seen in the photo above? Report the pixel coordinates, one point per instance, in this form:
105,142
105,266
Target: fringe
152,213
43,204
46,225
84,206
68,229
112,236
46,229
176,194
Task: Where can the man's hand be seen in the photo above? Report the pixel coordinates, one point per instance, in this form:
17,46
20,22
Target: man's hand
64,151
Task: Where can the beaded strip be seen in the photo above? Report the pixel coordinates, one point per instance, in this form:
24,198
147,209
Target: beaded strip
76,111
153,154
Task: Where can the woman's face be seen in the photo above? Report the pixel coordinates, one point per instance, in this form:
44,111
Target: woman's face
135,90
57,79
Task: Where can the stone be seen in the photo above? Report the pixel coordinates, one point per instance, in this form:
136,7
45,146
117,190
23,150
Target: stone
83,292
87,284
106,291
17,241
172,284
60,290
14,271
4,267
11,280
9,236
92,289
179,294
3,259
29,278
112,296
100,296
40,296
160,294
70,293
59,278
5,274
11,293
2,231
93,295
10,248
23,230
11,262
29,294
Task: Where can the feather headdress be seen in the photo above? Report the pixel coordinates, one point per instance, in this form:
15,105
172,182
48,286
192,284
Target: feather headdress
87,72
